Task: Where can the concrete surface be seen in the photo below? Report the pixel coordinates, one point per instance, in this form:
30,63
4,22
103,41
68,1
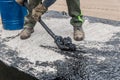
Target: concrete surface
107,9
96,58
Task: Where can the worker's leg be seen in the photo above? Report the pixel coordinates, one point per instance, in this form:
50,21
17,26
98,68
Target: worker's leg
29,21
76,21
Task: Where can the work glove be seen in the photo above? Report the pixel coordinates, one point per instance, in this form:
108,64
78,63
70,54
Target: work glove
38,11
20,2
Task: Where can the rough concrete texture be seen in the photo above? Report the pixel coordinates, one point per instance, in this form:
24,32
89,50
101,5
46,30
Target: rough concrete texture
96,58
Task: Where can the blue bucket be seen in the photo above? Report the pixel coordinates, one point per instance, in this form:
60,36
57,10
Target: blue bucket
12,15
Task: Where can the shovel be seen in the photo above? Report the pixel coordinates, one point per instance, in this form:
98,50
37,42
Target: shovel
62,43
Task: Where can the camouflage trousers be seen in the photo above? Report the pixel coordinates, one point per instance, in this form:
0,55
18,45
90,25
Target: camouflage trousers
73,10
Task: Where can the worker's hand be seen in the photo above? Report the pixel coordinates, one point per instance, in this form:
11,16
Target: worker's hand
20,2
38,11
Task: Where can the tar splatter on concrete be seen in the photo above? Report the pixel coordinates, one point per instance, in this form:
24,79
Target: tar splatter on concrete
93,60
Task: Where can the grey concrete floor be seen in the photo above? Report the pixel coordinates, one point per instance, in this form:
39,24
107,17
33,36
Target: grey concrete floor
96,58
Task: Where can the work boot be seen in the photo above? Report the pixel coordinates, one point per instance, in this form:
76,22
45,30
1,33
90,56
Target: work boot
26,33
38,11
78,33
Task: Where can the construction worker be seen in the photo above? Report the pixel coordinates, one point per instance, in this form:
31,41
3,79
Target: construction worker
38,8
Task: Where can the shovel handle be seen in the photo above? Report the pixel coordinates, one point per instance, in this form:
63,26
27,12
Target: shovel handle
47,29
